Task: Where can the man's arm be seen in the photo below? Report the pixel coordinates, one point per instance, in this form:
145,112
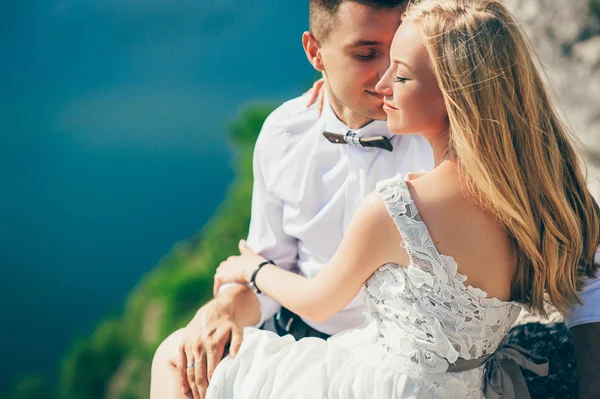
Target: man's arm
584,324
267,235
586,339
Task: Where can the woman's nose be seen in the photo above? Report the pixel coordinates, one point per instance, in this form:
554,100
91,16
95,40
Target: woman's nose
383,87
383,71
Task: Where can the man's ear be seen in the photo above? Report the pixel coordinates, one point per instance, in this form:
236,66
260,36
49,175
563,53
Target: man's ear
312,48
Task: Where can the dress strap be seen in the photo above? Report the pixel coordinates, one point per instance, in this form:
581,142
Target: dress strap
417,240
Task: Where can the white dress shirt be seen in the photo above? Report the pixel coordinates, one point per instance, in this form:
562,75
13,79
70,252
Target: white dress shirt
307,188
589,312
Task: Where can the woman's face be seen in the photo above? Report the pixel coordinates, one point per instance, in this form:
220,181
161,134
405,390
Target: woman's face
412,98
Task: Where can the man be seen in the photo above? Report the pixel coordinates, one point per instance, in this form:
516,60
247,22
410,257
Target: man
584,324
308,182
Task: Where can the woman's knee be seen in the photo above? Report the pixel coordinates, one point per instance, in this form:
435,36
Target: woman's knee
167,352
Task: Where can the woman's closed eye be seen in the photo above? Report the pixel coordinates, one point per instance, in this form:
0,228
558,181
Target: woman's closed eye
399,79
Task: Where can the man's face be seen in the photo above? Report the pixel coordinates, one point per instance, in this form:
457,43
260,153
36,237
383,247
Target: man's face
355,56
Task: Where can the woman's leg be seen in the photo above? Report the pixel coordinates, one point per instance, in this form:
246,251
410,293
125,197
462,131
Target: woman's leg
164,383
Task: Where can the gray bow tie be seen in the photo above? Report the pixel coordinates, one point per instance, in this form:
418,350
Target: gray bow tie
355,140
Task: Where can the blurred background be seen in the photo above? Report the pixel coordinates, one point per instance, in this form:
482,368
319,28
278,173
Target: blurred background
126,132
113,147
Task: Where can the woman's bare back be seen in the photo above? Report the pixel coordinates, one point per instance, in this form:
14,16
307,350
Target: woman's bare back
460,229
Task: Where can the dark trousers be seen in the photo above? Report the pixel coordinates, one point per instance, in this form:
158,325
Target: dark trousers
285,322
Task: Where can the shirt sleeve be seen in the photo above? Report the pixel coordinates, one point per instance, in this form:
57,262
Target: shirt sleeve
589,312
267,235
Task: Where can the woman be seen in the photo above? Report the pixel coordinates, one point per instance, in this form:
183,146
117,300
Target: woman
446,258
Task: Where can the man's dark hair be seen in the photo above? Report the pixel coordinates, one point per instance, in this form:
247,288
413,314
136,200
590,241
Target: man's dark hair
324,12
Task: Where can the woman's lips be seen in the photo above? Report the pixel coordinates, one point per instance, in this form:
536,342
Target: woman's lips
388,107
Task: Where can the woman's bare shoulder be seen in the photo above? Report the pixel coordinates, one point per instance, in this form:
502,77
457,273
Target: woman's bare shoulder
376,230
440,187
373,207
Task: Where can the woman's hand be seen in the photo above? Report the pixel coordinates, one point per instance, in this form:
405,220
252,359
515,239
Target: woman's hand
317,93
237,269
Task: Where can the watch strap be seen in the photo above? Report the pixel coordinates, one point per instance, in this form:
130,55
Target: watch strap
255,272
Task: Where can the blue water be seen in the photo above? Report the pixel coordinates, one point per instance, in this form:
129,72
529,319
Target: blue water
113,120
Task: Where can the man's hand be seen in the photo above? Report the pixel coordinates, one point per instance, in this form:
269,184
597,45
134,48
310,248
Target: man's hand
213,328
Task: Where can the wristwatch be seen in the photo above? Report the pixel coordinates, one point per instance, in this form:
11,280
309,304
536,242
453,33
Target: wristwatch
253,277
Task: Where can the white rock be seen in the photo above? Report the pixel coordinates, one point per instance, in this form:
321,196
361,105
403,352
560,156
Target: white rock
567,40
588,52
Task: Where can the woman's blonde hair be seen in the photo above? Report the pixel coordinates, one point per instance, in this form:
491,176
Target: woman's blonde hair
515,154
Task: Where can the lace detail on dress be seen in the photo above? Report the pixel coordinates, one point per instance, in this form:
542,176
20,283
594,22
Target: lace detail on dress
425,314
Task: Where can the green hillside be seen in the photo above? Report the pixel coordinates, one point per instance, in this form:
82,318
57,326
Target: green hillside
114,361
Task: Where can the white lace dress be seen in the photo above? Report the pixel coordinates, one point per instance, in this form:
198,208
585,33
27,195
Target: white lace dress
420,318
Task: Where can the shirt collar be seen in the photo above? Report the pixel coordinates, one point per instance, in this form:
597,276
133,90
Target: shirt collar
332,124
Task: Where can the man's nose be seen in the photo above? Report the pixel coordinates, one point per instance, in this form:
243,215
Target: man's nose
382,70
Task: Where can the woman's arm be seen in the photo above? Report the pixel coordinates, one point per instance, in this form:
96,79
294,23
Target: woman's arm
371,240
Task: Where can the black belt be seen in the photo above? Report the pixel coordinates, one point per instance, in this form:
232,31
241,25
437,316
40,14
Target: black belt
287,322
